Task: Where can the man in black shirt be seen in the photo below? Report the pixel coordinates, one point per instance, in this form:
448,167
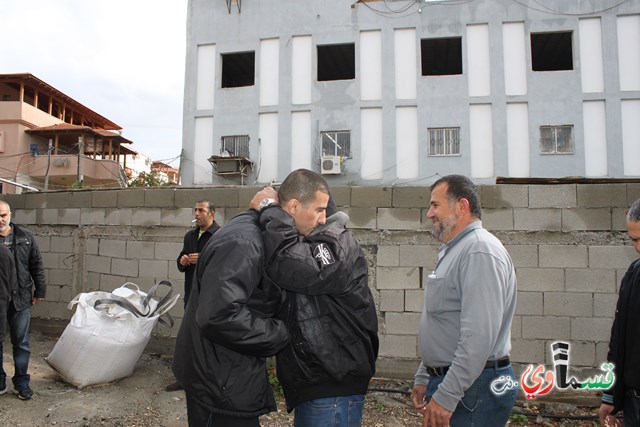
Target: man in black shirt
624,345
194,242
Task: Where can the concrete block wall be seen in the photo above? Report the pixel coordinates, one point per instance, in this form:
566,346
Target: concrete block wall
568,243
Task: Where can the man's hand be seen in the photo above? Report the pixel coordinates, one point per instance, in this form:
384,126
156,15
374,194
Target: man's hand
435,415
34,301
193,258
184,260
265,193
418,398
606,419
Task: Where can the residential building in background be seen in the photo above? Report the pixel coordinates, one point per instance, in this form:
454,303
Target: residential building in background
166,172
49,141
398,92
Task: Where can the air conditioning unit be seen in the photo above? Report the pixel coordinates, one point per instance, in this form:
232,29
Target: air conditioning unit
330,165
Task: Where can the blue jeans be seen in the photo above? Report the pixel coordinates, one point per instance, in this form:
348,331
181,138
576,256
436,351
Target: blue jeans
342,411
19,322
480,406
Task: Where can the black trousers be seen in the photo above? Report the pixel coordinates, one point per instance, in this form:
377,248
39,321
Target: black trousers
631,410
202,417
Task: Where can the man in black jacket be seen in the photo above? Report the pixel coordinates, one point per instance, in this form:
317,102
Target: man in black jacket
624,345
228,330
30,274
194,242
329,310
7,288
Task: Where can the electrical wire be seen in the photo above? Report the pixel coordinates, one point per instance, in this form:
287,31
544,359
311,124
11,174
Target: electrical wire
546,9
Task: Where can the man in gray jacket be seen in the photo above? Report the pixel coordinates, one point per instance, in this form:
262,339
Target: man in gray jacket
31,289
465,328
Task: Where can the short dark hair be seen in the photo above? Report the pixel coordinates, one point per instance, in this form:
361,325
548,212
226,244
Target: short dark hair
302,184
210,206
461,187
633,214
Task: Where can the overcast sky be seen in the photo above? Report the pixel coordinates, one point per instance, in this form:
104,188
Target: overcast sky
124,59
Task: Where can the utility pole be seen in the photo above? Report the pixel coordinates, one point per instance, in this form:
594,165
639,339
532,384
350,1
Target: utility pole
80,151
46,175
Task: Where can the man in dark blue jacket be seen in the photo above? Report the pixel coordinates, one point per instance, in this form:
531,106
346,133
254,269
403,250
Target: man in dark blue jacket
30,275
7,288
329,310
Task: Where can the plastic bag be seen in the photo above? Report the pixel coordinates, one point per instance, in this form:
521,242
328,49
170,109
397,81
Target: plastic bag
108,333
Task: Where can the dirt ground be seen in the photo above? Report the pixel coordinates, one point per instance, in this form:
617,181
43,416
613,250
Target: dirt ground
140,400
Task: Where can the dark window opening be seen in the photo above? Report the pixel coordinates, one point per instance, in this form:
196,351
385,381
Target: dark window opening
441,57
336,62
551,51
238,69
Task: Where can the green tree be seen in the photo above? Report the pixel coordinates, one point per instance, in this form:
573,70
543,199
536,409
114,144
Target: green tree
148,179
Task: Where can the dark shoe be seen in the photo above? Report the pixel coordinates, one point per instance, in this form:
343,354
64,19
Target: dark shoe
173,387
24,392
3,385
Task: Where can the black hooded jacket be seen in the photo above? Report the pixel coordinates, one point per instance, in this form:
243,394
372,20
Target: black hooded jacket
228,330
329,309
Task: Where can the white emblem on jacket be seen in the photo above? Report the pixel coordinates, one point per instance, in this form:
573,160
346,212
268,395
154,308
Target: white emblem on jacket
323,254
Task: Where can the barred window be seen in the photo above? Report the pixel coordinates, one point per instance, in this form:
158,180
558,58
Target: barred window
444,141
236,145
556,139
336,143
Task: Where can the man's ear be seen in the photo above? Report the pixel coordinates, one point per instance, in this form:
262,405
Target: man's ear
292,206
465,206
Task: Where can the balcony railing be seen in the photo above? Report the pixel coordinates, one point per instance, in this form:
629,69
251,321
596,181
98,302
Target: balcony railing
62,170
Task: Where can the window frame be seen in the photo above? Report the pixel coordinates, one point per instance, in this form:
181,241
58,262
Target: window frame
339,151
445,143
242,152
555,129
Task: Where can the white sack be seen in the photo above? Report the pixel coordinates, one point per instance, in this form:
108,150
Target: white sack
103,345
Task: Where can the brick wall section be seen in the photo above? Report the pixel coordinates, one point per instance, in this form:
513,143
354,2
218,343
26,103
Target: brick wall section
568,243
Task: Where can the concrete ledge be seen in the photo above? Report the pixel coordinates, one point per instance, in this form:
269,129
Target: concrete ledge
159,197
